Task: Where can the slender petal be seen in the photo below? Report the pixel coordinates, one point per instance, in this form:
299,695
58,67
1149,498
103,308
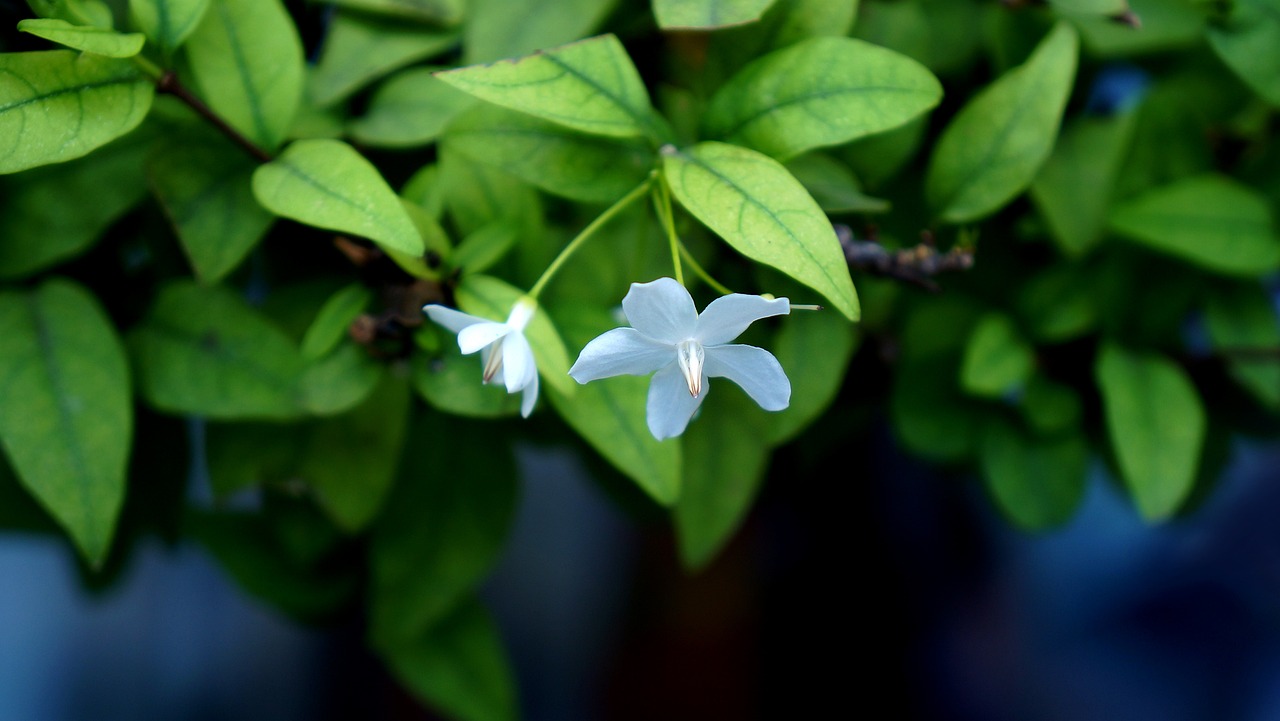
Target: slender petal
517,360
454,320
530,396
621,351
661,309
755,370
727,316
670,406
478,335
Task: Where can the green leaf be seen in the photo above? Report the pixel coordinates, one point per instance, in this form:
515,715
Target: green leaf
57,105
590,86
1050,407
1059,304
351,459
489,297
247,59
444,527
205,189
992,149
79,12
476,195
930,416
1073,190
752,202
451,382
442,12
707,14
1038,483
498,29
1166,25
1211,220
945,35
359,50
66,423
89,39
1245,330
204,351
412,108
821,91
326,183
611,416
1156,422
588,168
484,247
459,666
833,186
168,23
246,455
336,382
333,319
997,359
40,228
726,453
880,157
1249,43
814,350
1093,7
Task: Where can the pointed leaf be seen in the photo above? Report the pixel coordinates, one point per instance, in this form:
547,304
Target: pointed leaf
707,14
168,23
333,319
359,50
413,108
498,29
89,39
1249,43
1244,325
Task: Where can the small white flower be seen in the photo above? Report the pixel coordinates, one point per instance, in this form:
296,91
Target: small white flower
505,353
668,336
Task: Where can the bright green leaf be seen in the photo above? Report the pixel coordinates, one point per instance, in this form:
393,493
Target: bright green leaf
1156,422
489,297
707,14
333,319
1038,483
326,183
359,50
992,149
752,202
89,39
1249,43
412,108
1245,330
168,23
497,29
997,359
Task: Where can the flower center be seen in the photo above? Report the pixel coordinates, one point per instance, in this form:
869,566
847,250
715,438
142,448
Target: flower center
494,363
689,355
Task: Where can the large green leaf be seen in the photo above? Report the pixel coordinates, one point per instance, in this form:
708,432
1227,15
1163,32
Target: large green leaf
326,183
707,14
489,297
1156,422
553,157
66,422
992,149
498,29
1038,483
412,108
86,38
763,212
1211,220
204,351
1249,43
57,105
205,189
359,50
247,59
1245,330
997,359
821,91
590,85
444,526
443,12
168,23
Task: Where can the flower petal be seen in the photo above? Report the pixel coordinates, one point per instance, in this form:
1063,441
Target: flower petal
670,406
530,396
661,309
755,370
454,320
478,335
619,352
517,362
727,316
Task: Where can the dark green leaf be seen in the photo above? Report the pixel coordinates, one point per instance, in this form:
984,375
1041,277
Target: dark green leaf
333,319
1038,483
833,185
412,108
498,29
814,349
1249,43
1050,407
450,382
1245,330
359,50
1166,25
997,359
339,380
484,247
1059,304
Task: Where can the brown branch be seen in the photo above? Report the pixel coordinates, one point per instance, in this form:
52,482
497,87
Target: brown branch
917,264
169,83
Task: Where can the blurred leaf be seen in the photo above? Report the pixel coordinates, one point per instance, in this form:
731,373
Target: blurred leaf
587,168
820,91
205,189
326,183
944,35
443,12
590,86
245,455
1166,25
485,247
814,349
204,351
1050,407
752,202
833,186
66,423
1156,422
707,14
498,29
1249,43
79,12
333,319
452,383
360,49
785,22
930,416
476,195
1211,220
997,359
337,381
89,39
1059,304
879,157
489,297
1245,330
1095,7
44,94
412,108
167,23
994,146
459,665
1038,483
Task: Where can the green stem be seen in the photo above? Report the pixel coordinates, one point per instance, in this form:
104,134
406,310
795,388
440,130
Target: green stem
586,234
703,274
662,205
151,69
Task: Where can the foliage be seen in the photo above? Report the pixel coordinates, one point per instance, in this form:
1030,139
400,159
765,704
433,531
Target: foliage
224,218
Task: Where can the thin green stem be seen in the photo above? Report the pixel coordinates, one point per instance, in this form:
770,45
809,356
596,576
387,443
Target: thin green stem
151,69
662,205
703,274
586,234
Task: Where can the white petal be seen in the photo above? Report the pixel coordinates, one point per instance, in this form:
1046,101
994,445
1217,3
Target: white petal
670,406
530,396
454,320
727,316
661,309
517,361
755,370
621,352
478,335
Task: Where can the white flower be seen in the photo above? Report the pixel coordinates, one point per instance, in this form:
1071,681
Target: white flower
505,353
668,336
